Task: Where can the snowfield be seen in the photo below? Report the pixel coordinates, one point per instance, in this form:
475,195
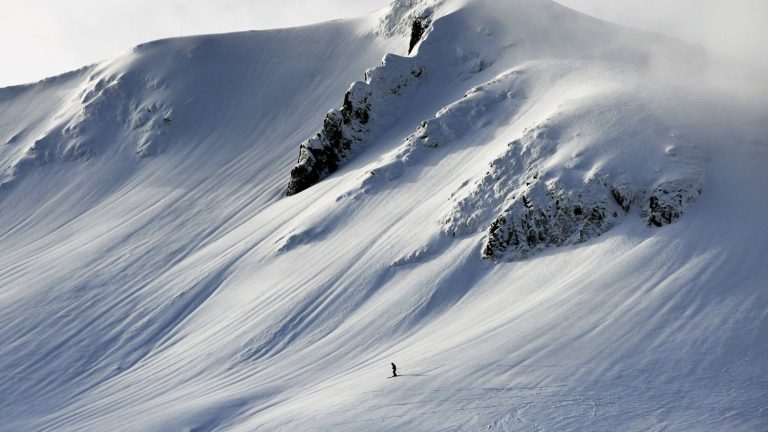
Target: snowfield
548,222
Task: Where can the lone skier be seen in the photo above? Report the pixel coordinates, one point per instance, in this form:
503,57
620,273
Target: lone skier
394,370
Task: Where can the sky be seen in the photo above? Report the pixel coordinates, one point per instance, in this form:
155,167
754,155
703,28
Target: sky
41,38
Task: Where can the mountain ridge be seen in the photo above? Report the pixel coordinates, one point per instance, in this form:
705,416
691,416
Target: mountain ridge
180,289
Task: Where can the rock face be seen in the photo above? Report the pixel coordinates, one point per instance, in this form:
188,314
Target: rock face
546,216
523,206
666,202
420,26
320,155
550,216
365,104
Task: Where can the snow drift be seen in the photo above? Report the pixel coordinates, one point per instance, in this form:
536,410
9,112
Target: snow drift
546,221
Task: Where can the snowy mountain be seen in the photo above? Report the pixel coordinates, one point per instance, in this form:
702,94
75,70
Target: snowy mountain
548,222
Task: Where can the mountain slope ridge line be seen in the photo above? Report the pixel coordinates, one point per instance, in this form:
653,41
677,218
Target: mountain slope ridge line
490,226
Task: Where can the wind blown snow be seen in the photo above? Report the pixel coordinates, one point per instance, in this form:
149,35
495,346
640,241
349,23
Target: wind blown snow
547,221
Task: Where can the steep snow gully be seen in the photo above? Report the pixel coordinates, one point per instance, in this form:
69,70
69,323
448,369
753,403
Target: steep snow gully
548,222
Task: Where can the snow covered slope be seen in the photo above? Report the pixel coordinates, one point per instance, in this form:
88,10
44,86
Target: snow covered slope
546,221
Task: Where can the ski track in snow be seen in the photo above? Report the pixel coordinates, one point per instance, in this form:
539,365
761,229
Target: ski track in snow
155,277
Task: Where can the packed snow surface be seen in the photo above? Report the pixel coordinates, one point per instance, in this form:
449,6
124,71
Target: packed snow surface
547,222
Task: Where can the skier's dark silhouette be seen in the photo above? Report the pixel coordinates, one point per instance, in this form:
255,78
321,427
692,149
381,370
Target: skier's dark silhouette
394,370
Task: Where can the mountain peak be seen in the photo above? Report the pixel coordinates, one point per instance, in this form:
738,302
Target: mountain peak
544,220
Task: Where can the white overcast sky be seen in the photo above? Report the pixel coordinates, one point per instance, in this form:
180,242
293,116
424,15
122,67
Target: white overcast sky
40,38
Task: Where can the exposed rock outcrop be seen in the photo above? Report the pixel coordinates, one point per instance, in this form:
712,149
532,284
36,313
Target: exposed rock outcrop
366,104
546,216
523,207
420,26
550,216
665,203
